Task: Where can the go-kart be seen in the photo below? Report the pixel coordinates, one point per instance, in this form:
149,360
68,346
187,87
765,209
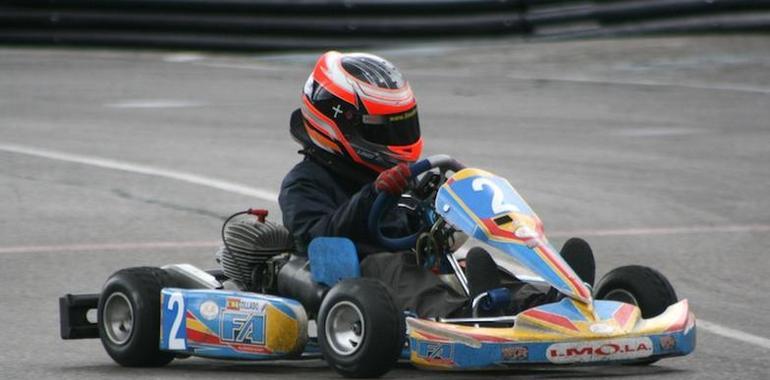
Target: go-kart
267,303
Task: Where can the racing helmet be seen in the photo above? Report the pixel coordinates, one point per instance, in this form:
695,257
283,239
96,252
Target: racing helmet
359,106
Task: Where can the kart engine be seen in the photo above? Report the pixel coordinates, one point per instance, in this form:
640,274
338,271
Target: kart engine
254,250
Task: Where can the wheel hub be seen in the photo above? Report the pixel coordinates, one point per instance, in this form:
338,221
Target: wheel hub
118,318
345,328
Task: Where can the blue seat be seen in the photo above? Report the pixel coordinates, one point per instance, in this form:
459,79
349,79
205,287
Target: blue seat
333,259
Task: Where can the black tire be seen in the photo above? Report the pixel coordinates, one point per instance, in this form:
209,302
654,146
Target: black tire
140,289
371,351
648,288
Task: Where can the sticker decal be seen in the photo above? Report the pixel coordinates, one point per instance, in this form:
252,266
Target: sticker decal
515,353
667,343
595,351
438,353
337,110
245,304
176,305
242,327
209,310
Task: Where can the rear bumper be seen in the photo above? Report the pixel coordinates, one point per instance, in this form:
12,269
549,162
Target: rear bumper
73,316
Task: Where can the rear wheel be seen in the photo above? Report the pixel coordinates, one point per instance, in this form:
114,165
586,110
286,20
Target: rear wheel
129,317
360,329
641,286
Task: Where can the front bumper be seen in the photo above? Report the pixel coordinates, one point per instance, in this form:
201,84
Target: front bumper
436,345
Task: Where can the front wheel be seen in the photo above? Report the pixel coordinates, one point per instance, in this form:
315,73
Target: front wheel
638,285
641,286
360,329
129,317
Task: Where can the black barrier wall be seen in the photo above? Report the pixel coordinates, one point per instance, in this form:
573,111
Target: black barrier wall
299,24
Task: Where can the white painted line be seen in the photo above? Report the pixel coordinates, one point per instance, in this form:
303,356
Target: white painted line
109,246
580,79
649,83
183,57
663,230
155,103
106,163
733,334
243,66
656,132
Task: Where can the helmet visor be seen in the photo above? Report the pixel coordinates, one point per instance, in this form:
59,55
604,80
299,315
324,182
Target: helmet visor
394,129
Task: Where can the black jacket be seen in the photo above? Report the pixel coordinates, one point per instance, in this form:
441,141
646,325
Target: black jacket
325,195
315,201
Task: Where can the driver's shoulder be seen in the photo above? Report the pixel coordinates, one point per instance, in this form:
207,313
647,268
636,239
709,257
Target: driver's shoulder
308,172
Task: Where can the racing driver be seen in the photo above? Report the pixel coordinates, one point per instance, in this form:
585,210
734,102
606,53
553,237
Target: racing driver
359,128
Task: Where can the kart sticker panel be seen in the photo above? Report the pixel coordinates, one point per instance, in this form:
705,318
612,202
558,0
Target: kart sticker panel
235,325
488,208
438,345
487,194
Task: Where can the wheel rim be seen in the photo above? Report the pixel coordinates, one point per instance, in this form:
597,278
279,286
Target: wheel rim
118,318
345,328
621,295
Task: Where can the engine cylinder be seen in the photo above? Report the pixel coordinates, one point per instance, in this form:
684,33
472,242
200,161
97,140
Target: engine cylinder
250,243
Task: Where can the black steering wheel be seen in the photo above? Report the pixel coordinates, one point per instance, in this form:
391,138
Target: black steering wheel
385,202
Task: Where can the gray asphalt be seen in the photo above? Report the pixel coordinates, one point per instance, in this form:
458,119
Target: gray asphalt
666,139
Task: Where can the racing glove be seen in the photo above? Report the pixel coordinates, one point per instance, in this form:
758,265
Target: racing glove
394,180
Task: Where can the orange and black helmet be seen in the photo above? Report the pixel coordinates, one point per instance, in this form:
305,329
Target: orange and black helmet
359,106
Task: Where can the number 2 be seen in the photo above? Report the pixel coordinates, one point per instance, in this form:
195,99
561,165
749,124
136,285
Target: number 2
175,343
498,205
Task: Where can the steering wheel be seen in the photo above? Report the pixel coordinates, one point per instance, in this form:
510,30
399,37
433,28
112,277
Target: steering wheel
385,202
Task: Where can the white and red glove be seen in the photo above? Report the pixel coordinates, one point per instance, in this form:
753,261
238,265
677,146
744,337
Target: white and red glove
394,180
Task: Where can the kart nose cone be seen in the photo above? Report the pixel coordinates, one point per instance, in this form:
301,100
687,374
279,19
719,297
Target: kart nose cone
572,318
602,328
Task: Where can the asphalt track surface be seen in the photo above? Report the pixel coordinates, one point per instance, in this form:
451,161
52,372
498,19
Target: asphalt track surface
655,150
